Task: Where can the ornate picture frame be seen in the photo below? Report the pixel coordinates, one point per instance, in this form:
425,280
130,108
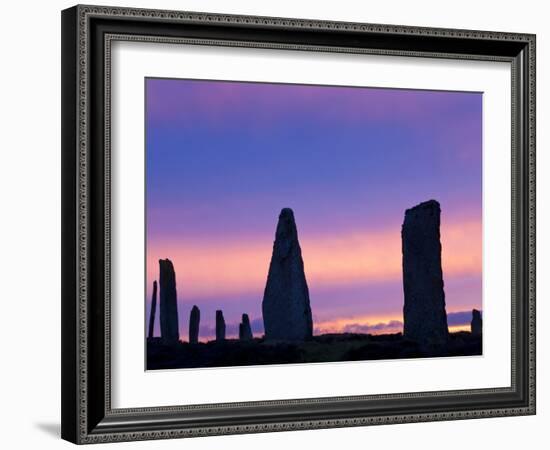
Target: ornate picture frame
88,33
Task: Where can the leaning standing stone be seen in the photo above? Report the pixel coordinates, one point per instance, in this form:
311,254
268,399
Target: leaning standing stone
425,318
153,311
168,302
285,307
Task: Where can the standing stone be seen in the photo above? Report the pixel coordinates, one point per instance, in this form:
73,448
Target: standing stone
285,306
194,322
476,326
220,326
424,315
153,310
245,332
169,328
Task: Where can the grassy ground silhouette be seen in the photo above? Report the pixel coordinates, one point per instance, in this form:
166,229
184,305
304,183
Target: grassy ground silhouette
323,348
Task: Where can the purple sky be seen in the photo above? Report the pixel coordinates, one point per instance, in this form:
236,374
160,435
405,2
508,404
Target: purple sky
223,158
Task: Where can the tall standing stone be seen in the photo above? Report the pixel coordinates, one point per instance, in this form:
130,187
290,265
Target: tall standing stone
245,331
153,310
424,315
476,326
169,328
194,323
285,306
220,326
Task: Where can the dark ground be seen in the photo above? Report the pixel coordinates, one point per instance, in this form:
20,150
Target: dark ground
324,348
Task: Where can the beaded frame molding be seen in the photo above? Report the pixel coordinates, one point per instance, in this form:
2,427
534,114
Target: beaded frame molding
87,35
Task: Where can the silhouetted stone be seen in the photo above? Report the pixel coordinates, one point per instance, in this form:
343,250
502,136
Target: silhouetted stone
425,319
153,310
220,326
169,328
245,332
194,323
476,325
285,306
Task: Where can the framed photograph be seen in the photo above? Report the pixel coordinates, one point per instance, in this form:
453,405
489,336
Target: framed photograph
279,224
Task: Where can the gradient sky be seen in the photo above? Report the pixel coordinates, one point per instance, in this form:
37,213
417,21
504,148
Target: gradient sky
223,158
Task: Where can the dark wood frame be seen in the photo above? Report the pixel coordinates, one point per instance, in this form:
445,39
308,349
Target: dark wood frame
87,32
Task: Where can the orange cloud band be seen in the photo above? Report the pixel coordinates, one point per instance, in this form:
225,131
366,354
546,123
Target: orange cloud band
371,324
237,266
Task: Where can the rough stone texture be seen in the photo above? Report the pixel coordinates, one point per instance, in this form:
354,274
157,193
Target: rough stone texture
153,311
245,332
220,326
194,323
169,329
424,315
476,326
285,306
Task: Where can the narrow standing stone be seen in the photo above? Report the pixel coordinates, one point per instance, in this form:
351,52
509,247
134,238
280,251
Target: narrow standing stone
220,326
285,306
153,310
168,302
424,315
194,322
245,332
476,326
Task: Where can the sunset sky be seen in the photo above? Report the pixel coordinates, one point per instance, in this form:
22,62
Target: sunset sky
223,158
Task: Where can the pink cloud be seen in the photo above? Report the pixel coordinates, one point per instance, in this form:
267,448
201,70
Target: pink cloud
240,265
181,102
